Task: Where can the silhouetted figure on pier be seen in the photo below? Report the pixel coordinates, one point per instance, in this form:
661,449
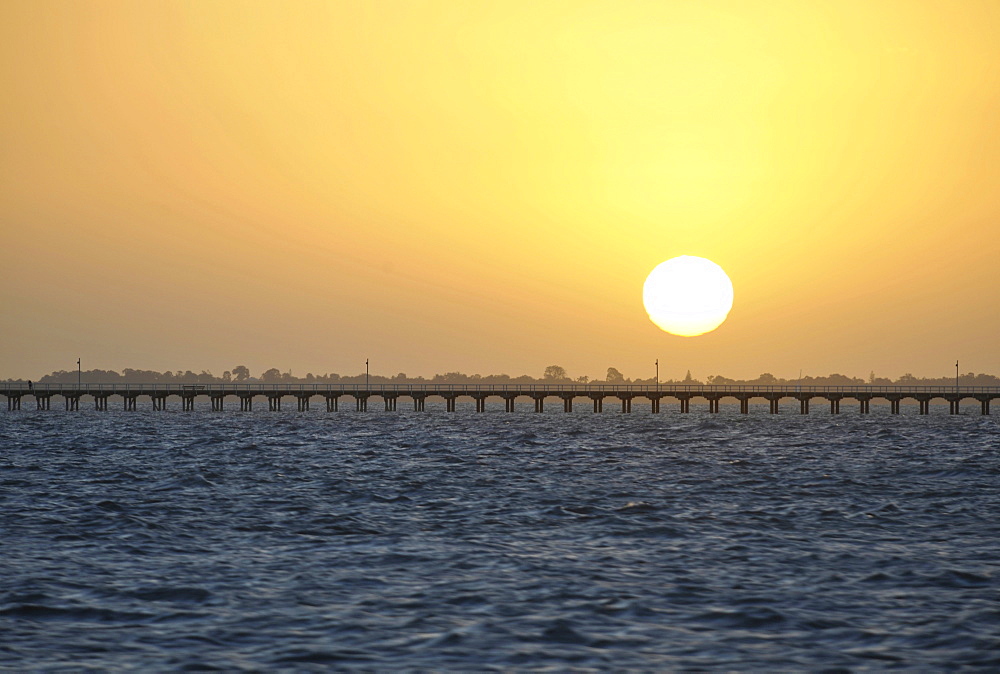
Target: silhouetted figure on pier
31,387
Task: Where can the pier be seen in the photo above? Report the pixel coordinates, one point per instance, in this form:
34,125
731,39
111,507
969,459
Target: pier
159,396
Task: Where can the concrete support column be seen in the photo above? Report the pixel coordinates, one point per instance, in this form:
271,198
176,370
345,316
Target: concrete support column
744,405
246,403
567,405
954,405
773,405
713,405
865,406
835,406
685,405
925,406
985,409
894,407
804,406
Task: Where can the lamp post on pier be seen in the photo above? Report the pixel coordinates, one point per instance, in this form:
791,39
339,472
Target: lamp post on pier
657,375
366,376
956,376
79,374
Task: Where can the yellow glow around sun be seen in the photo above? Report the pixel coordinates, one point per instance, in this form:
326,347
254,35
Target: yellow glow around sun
687,295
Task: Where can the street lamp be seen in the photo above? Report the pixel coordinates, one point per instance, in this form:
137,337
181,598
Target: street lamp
79,374
366,375
657,375
956,376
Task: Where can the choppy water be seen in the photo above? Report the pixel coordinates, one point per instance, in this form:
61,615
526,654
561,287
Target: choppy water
299,541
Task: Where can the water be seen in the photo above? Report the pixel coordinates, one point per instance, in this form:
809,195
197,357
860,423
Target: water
307,541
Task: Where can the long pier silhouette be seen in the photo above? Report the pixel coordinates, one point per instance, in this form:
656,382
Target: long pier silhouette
567,394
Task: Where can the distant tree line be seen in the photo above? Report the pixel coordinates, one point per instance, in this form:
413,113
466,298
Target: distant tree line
552,374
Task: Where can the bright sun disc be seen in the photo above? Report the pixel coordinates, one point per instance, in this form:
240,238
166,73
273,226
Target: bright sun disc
687,295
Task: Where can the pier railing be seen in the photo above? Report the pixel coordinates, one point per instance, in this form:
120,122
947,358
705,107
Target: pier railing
582,389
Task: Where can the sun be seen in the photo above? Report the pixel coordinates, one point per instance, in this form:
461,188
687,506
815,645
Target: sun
687,295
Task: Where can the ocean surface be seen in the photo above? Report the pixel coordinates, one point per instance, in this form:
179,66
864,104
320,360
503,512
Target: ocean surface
287,541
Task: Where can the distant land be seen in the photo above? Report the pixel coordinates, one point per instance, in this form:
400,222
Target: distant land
552,375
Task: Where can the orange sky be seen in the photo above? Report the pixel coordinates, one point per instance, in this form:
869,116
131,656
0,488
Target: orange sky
483,187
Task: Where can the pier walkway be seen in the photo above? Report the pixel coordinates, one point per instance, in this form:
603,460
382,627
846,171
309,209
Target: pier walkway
418,394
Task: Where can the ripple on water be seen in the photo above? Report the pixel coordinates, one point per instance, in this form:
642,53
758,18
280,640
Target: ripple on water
471,541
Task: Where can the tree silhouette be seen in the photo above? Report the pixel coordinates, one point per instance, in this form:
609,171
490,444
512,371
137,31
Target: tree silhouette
555,372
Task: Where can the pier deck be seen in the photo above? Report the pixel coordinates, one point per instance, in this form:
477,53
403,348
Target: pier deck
595,394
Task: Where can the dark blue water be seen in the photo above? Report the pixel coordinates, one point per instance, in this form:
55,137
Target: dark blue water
306,541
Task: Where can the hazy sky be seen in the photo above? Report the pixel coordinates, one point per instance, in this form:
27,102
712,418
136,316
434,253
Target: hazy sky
484,187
